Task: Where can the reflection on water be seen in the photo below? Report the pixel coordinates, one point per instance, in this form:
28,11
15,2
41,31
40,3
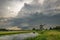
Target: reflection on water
18,36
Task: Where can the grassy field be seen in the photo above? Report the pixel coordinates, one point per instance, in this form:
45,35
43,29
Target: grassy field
47,35
12,32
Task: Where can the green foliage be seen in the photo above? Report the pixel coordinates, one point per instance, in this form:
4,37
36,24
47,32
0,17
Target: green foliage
33,29
47,35
12,32
57,28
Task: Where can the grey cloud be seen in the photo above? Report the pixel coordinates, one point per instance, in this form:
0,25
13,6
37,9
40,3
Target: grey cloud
4,4
4,23
31,8
50,4
51,7
48,7
34,17
49,15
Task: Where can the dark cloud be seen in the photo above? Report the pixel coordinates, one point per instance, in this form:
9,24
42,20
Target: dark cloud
30,14
50,4
36,19
50,15
47,7
31,8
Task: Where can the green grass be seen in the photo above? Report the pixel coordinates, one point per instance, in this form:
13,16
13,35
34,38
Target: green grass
2,33
47,35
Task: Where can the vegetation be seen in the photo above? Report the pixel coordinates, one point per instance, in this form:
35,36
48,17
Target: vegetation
3,29
12,32
47,35
57,28
33,29
52,34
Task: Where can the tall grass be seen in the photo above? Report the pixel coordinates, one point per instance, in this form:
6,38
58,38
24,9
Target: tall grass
47,35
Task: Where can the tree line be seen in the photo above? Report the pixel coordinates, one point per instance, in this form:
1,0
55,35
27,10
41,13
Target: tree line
41,28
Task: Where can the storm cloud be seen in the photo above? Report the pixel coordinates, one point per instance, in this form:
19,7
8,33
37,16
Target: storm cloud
29,13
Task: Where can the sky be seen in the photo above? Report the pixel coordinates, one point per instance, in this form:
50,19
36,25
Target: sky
10,8
28,13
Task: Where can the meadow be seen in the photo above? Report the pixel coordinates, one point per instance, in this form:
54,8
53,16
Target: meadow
47,35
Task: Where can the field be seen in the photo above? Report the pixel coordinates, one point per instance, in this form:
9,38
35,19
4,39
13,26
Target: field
2,33
47,35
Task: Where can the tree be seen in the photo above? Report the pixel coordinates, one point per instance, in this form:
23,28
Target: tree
41,27
33,29
57,28
3,30
50,28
